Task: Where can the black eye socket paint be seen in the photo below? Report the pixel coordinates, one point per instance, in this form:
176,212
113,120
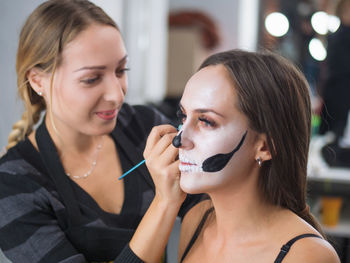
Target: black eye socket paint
217,162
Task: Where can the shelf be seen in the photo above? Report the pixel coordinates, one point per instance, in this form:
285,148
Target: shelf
342,229
318,169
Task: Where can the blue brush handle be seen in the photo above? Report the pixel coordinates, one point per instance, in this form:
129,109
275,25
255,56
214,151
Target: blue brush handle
140,163
132,169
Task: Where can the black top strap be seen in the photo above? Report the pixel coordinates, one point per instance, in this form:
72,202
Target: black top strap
286,247
196,233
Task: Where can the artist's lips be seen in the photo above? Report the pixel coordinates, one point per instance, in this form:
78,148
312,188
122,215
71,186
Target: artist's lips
107,114
188,165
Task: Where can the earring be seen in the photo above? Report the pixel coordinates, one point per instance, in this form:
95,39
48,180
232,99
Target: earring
259,161
40,93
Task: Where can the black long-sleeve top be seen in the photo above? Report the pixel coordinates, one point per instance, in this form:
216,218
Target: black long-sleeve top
46,217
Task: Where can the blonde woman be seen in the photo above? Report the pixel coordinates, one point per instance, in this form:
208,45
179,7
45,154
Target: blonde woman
60,197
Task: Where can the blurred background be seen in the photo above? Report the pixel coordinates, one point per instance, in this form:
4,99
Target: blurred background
168,39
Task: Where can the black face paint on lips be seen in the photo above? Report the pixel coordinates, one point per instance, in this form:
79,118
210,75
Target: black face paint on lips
177,140
217,162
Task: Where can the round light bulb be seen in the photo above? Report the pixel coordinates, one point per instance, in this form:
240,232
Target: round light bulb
277,24
317,49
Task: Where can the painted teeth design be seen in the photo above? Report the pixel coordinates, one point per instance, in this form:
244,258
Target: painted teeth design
184,159
190,166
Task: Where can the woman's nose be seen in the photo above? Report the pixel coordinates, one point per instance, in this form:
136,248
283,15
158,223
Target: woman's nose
115,91
182,140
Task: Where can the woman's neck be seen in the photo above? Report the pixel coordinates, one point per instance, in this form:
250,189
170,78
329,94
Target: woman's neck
68,141
241,213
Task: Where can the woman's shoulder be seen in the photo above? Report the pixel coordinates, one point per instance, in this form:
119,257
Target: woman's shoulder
304,242
312,250
19,171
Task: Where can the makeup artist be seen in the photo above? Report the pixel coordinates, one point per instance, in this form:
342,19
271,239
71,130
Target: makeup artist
60,197
244,142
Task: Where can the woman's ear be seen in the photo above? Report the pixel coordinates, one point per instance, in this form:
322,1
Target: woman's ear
263,150
37,79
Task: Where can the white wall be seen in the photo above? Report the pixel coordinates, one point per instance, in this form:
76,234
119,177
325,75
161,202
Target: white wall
12,16
145,33
144,27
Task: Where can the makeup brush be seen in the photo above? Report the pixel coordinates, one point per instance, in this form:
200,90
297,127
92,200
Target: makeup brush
137,165
132,169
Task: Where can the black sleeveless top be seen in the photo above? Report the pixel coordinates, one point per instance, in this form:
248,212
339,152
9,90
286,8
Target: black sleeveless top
284,249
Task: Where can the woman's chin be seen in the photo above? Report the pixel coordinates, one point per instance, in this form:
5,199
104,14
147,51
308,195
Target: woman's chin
189,184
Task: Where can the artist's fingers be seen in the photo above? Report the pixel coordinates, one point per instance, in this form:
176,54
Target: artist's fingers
171,171
170,154
164,143
165,177
168,185
175,171
156,134
159,133
158,163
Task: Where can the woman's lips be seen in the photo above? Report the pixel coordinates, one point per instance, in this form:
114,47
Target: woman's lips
187,165
107,115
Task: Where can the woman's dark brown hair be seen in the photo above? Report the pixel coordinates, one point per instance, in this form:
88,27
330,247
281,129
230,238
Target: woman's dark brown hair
274,96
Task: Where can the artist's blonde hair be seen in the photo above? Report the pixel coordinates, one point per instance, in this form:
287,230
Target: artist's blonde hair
44,35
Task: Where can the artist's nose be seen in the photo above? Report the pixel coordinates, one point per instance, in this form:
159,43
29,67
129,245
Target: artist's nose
115,91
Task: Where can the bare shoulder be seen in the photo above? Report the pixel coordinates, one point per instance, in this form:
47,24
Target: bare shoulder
312,250
190,223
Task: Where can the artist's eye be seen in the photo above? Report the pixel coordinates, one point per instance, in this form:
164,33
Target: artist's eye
90,81
206,122
121,72
181,116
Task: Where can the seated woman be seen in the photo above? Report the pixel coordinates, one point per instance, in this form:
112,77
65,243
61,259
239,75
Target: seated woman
244,142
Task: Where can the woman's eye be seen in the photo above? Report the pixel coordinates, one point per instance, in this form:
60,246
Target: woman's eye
207,122
90,81
181,116
120,72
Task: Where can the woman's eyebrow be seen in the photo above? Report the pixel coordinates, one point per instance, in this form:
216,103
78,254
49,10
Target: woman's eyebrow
202,110
208,110
98,67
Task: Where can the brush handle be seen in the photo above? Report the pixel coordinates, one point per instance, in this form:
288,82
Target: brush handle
132,169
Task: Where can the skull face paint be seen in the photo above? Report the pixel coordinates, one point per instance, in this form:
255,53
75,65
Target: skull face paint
219,161
216,162
214,142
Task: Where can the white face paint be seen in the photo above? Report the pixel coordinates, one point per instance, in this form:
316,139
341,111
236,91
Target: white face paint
212,124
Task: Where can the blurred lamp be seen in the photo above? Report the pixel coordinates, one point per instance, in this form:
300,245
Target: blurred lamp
322,23
276,24
319,22
333,23
317,49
